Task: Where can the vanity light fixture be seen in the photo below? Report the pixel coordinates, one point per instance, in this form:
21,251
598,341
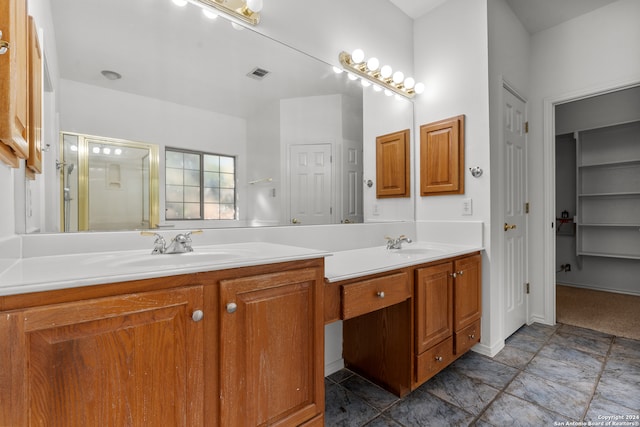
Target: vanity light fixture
244,10
370,73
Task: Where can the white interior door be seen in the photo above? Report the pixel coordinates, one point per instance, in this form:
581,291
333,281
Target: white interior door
352,183
311,179
515,226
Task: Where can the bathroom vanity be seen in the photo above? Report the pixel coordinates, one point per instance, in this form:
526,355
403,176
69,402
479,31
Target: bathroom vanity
401,326
225,335
231,346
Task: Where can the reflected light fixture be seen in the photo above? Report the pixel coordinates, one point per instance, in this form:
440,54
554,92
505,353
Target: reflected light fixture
370,72
244,10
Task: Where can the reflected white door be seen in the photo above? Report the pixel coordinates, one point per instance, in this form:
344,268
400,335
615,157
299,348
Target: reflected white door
515,226
352,183
311,193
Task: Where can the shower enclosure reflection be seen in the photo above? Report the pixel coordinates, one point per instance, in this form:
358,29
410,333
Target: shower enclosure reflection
108,184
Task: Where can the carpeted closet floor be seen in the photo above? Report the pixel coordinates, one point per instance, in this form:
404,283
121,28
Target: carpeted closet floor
608,312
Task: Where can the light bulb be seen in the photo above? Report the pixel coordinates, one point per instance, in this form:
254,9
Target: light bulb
117,151
74,148
388,92
376,88
409,82
373,64
357,56
337,70
237,26
254,5
419,88
209,14
180,3
96,150
365,83
106,150
398,77
352,76
385,71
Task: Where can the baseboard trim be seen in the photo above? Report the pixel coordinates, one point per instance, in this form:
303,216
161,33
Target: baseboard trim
489,351
333,367
597,288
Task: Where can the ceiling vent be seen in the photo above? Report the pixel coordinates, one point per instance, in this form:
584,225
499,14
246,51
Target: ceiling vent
258,73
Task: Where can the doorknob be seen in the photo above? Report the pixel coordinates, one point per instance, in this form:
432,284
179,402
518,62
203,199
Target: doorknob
4,45
508,227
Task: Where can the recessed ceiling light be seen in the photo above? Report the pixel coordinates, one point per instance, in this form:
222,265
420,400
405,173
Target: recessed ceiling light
111,75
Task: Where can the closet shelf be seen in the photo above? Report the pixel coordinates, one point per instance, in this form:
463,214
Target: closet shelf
612,194
625,162
610,255
582,224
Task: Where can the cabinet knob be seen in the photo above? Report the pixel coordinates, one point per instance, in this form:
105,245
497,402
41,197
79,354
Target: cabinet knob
4,45
460,273
380,294
232,307
472,336
438,358
453,275
197,315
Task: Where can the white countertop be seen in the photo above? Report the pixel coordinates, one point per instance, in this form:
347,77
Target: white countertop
350,264
46,273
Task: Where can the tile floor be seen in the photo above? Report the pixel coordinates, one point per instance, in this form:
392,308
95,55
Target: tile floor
545,376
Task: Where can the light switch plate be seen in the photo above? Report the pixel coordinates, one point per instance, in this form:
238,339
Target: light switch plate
467,207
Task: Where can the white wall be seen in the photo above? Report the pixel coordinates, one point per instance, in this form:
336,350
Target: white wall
451,58
588,54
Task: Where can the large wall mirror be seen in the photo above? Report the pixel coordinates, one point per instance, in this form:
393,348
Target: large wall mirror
172,78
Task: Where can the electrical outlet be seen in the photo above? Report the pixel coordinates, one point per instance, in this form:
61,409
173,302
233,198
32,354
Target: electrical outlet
567,267
376,209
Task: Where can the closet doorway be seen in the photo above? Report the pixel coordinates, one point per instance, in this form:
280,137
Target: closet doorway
597,209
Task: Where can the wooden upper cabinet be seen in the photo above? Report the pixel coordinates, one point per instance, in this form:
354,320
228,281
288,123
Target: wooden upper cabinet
393,167
442,157
14,82
34,162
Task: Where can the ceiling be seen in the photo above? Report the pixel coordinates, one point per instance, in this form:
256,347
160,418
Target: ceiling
535,15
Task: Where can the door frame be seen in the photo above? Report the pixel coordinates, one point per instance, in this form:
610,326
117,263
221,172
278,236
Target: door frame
549,185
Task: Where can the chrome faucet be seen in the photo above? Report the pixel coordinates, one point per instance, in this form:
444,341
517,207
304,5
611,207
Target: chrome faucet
180,244
397,242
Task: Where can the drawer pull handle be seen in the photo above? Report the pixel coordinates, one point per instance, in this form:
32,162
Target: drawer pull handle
232,307
438,358
380,294
197,315
472,336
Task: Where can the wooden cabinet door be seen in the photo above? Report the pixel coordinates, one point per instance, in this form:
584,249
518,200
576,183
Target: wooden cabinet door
442,157
434,305
271,349
393,165
468,291
128,360
34,162
13,82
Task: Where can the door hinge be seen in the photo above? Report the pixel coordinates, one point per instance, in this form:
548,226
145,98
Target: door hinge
526,127
526,286
330,210
526,207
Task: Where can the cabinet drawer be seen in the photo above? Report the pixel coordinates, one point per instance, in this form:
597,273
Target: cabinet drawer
467,338
373,294
434,360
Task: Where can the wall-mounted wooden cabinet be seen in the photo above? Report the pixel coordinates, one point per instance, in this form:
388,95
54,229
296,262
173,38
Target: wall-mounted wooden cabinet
34,162
442,157
14,82
393,165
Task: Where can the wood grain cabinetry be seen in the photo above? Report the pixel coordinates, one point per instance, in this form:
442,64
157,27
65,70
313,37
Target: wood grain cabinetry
168,351
271,352
442,157
393,165
14,82
401,345
34,162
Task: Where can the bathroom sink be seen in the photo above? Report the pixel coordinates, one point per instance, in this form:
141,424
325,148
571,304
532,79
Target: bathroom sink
411,251
178,260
